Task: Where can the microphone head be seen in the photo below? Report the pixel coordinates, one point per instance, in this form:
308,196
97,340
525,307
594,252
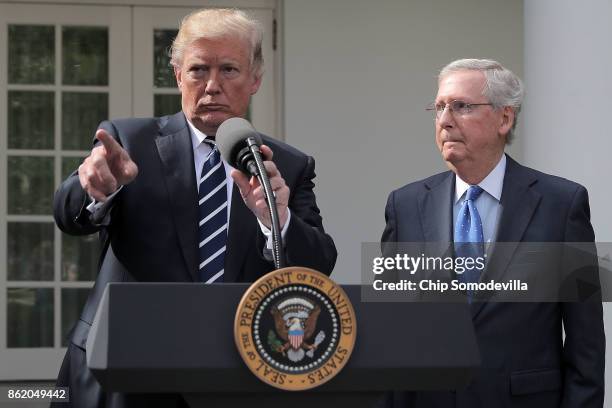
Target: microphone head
231,138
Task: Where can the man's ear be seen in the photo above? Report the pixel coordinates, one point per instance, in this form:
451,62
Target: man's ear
178,75
256,82
507,120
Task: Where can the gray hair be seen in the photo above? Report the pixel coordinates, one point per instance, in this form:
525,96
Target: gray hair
216,23
502,86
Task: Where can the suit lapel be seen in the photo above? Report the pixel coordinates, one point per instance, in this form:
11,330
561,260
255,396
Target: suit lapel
241,225
176,154
435,208
518,204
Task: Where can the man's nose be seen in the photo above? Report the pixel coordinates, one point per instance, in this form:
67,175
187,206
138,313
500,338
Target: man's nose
446,118
213,85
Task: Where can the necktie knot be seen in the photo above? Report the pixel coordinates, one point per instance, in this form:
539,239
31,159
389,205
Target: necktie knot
473,193
214,156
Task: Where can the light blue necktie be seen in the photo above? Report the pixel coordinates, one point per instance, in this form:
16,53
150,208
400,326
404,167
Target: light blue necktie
212,227
469,238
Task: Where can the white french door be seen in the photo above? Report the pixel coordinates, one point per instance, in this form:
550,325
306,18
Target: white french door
67,67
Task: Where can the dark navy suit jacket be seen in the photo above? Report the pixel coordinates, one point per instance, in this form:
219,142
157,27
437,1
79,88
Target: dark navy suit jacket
525,362
152,236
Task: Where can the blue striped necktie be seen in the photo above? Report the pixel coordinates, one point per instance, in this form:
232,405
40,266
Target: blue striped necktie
212,229
469,238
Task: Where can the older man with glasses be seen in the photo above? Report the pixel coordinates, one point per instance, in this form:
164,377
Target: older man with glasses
487,197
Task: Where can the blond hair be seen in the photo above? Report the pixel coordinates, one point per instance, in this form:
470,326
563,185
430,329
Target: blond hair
216,23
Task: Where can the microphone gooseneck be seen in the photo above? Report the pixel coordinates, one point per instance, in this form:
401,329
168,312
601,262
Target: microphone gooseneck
239,143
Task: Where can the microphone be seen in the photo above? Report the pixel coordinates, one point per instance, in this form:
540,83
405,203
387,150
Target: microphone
238,142
236,138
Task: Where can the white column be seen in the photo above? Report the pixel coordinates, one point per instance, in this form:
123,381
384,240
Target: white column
568,111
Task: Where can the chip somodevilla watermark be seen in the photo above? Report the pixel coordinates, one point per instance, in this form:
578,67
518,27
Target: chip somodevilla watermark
412,265
493,272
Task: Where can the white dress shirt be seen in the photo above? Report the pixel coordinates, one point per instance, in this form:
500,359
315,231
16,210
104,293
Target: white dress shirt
488,203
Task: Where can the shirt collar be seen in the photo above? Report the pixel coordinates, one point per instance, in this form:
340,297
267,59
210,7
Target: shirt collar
492,184
197,136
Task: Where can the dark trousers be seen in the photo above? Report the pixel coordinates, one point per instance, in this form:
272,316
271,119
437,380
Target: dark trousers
85,391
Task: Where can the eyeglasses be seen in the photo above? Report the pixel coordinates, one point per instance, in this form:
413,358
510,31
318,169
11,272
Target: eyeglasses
460,107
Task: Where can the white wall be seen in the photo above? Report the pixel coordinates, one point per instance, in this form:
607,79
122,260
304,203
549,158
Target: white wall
568,56
358,75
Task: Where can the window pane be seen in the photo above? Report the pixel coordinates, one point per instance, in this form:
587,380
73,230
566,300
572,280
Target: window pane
31,54
31,120
166,104
30,317
80,257
30,251
30,185
85,55
73,301
70,164
81,113
163,76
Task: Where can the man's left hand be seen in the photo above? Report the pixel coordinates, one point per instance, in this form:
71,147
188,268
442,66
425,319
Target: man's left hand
253,193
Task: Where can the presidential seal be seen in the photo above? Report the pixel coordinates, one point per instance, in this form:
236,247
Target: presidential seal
295,328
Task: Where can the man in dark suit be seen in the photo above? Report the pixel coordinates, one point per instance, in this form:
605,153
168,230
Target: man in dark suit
525,361
138,189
